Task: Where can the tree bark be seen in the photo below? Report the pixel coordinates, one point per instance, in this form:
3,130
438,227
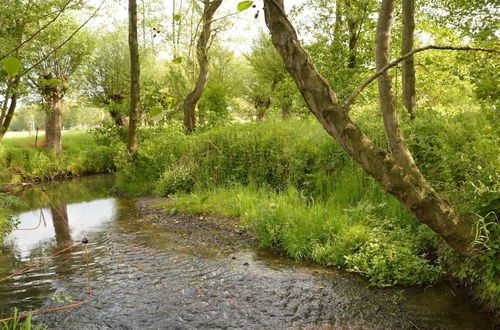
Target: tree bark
7,118
53,123
189,105
53,95
395,139
416,195
135,97
285,110
338,21
114,110
408,66
353,37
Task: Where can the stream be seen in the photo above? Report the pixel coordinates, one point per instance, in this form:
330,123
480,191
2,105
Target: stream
149,276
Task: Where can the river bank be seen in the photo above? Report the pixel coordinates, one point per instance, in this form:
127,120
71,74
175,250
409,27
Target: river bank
151,269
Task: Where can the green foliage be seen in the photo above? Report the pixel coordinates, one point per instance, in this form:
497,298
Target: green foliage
109,134
331,232
16,323
81,155
212,107
12,66
244,5
8,203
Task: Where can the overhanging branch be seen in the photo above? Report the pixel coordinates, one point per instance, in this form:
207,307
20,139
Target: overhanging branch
401,59
64,42
37,32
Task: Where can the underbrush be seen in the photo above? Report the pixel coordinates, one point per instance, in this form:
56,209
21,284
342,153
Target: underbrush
8,204
81,155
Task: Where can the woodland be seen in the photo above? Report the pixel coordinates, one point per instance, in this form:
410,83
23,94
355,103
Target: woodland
359,134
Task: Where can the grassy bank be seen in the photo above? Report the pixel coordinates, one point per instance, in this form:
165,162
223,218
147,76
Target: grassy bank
82,155
300,192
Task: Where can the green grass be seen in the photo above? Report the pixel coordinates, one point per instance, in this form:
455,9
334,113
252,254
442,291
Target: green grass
81,155
363,230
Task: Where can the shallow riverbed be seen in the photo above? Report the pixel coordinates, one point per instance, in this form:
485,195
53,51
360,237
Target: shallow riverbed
148,276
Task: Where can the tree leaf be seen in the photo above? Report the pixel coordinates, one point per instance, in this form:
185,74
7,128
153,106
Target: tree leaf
177,17
156,110
243,5
177,60
12,66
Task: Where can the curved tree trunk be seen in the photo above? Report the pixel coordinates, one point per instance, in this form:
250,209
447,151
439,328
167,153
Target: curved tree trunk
7,115
189,105
395,139
135,97
395,178
408,66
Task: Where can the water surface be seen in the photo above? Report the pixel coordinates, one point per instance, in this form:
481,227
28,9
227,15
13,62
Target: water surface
147,276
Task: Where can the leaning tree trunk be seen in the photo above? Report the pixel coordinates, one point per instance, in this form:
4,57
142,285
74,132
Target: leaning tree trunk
202,46
408,66
395,139
395,178
135,97
8,112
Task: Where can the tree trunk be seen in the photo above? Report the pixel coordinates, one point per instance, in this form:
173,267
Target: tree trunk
53,123
192,99
5,104
353,37
117,117
338,22
408,66
285,110
416,195
135,97
9,113
114,110
395,138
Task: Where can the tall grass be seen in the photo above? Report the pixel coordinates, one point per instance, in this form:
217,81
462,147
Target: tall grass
20,161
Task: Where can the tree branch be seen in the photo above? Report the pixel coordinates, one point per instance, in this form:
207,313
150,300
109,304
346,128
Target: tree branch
64,42
401,59
37,32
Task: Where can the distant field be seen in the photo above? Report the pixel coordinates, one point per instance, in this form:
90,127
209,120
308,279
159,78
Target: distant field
19,139
23,133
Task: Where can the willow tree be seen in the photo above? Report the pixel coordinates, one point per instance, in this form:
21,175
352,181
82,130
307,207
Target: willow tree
54,59
202,48
394,169
108,75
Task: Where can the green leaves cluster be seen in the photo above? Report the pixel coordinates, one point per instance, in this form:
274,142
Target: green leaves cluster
243,5
12,66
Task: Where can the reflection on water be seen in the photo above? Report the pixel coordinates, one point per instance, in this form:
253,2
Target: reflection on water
82,218
147,276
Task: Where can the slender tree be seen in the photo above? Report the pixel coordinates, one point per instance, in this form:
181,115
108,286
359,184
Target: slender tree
408,66
202,47
135,97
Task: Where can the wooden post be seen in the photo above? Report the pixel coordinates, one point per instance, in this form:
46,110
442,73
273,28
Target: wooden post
36,136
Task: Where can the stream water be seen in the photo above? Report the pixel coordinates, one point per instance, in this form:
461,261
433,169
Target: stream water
146,276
